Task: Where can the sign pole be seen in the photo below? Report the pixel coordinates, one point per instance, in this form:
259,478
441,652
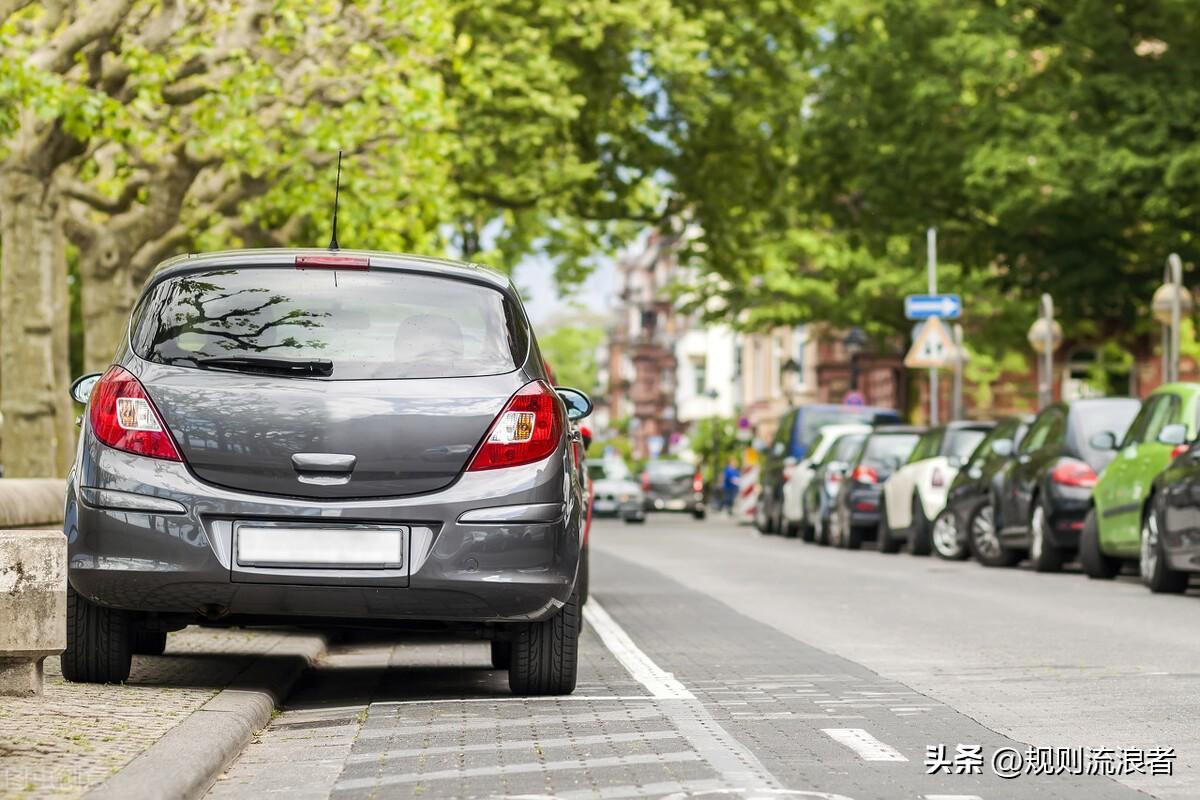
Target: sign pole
931,246
956,411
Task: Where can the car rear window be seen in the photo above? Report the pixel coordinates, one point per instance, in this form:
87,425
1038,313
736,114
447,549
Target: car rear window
960,443
811,420
882,447
669,469
371,324
845,449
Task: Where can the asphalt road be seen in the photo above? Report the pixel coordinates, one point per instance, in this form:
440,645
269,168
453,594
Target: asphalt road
720,663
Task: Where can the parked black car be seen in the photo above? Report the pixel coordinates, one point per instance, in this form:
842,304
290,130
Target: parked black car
1046,494
965,524
827,478
1170,550
673,486
855,516
796,434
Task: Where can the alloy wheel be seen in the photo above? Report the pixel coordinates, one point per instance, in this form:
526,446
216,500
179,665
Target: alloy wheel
1148,558
983,533
1037,533
945,536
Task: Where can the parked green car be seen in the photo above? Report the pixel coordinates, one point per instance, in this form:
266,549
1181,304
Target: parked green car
1112,531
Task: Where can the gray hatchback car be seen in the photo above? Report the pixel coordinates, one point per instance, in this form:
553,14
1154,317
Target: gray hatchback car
329,438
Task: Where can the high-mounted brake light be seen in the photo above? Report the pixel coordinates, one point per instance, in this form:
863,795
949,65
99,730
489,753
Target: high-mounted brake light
333,262
123,417
527,430
1074,473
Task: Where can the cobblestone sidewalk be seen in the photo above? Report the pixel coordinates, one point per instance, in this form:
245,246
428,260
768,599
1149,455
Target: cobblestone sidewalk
77,735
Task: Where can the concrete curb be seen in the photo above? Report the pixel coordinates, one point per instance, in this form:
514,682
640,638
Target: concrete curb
185,762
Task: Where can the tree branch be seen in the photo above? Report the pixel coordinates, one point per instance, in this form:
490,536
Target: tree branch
101,19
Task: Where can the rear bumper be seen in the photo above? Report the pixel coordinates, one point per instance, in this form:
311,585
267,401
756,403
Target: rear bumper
693,501
453,571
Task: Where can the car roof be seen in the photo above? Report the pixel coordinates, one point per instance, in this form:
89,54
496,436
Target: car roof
285,256
899,429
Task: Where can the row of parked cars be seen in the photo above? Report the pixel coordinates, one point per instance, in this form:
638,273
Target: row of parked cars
1109,482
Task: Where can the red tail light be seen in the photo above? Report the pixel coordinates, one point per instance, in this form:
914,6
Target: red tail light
937,479
645,481
697,483
1178,450
864,474
1074,473
527,430
123,417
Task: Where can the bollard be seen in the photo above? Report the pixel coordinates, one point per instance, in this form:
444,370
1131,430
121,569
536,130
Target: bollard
33,606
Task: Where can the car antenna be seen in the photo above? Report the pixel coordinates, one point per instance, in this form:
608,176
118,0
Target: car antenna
337,190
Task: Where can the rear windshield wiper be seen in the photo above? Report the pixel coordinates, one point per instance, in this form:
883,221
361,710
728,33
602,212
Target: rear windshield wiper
289,366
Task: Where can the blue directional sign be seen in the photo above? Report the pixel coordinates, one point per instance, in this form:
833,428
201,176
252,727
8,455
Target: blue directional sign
924,306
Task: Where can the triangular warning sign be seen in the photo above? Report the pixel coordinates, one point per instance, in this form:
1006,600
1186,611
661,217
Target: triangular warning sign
933,348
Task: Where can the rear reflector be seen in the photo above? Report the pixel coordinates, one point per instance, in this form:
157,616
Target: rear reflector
527,430
1070,472
122,417
333,262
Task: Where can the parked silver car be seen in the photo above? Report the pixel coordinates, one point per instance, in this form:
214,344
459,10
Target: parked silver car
614,491
331,438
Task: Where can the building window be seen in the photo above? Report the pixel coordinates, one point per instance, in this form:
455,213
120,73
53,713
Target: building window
700,374
800,345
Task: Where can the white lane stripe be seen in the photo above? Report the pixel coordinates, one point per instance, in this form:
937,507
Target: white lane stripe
867,746
951,797
531,744
660,684
378,781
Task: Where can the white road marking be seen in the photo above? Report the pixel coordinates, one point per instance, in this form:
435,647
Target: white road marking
659,683
531,744
867,746
951,797
377,781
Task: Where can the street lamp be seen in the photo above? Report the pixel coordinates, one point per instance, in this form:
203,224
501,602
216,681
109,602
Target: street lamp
1171,301
1045,336
854,342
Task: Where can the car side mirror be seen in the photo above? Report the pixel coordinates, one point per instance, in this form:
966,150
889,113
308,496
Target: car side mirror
579,405
1003,447
82,388
1102,441
1173,435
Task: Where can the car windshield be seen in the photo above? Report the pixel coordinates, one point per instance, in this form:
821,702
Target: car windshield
336,323
961,442
813,420
608,470
885,447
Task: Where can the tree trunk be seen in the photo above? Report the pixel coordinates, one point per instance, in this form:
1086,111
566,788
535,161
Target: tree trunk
37,412
107,298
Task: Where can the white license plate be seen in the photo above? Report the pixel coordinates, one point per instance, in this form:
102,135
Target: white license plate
605,506
367,547
676,505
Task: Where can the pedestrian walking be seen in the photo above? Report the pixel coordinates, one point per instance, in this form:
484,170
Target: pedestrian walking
729,485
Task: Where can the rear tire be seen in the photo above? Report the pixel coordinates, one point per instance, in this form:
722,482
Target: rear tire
545,655
149,643
698,513
887,543
985,543
501,655
99,642
584,579
1045,556
1096,565
920,543
807,532
1157,576
855,534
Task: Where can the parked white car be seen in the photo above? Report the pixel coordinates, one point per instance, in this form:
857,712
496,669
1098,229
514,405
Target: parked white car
916,492
798,475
